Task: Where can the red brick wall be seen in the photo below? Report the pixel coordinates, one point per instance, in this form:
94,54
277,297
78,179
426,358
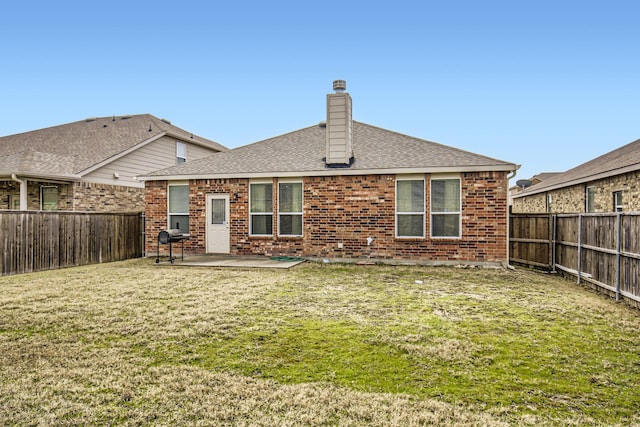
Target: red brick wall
347,210
155,198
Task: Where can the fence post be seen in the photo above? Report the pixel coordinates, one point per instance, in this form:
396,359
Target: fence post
143,234
618,253
579,249
554,225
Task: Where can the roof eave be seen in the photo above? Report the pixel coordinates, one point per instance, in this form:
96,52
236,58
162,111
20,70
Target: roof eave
40,176
332,172
579,181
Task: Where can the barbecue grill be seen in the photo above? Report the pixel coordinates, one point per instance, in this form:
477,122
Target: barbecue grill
169,237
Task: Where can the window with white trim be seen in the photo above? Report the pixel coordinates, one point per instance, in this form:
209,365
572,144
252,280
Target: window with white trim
179,207
410,210
590,194
48,198
445,207
181,152
261,209
617,201
290,208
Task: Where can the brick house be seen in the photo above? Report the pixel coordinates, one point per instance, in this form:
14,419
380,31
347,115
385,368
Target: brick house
92,165
340,190
609,183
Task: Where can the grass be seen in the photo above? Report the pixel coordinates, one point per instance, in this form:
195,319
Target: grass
133,343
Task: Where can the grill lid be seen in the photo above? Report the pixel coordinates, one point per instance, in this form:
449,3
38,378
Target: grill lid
165,236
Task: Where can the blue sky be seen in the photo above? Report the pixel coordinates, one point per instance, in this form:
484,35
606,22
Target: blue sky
545,84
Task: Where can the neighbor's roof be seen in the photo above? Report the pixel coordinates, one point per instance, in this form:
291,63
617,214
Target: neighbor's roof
543,176
65,151
535,180
302,152
622,160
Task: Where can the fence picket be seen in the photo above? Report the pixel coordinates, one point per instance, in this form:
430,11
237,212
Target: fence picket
600,249
36,241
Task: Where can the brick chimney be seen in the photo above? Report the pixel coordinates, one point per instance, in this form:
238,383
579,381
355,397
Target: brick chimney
339,126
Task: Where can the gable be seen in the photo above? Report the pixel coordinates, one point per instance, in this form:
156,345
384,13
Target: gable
158,154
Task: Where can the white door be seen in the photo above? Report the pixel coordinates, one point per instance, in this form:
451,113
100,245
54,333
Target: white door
218,223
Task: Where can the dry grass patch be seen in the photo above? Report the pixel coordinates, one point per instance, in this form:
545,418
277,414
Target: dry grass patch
133,343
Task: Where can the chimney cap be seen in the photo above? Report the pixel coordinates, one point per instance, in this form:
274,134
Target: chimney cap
339,86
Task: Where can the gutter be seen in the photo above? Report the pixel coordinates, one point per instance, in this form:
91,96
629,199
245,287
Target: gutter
329,172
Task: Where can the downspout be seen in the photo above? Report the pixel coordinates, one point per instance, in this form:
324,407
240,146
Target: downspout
23,191
512,175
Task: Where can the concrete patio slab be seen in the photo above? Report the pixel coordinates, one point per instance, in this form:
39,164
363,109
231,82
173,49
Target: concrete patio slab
234,261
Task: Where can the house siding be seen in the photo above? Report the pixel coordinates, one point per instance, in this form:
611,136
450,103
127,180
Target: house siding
347,210
572,199
156,155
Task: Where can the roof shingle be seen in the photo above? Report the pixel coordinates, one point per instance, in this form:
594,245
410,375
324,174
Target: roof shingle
622,160
303,152
71,148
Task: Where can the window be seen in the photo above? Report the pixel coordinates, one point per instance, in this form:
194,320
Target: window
290,209
549,203
14,202
48,198
410,208
218,211
445,207
181,152
617,201
179,207
261,209
590,199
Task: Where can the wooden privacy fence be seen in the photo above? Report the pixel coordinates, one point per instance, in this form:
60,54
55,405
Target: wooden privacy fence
600,249
35,241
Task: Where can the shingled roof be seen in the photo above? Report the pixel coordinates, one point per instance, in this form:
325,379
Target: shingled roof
67,150
302,153
622,160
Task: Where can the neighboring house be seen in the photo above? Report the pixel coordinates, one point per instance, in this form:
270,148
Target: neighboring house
337,190
609,183
92,165
534,180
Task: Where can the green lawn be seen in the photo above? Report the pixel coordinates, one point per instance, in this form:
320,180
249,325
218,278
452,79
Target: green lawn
133,343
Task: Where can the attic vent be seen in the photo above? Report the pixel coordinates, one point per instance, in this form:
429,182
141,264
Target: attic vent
166,121
125,117
322,124
90,119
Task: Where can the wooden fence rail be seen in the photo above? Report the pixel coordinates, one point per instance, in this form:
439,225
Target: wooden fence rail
36,241
600,249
